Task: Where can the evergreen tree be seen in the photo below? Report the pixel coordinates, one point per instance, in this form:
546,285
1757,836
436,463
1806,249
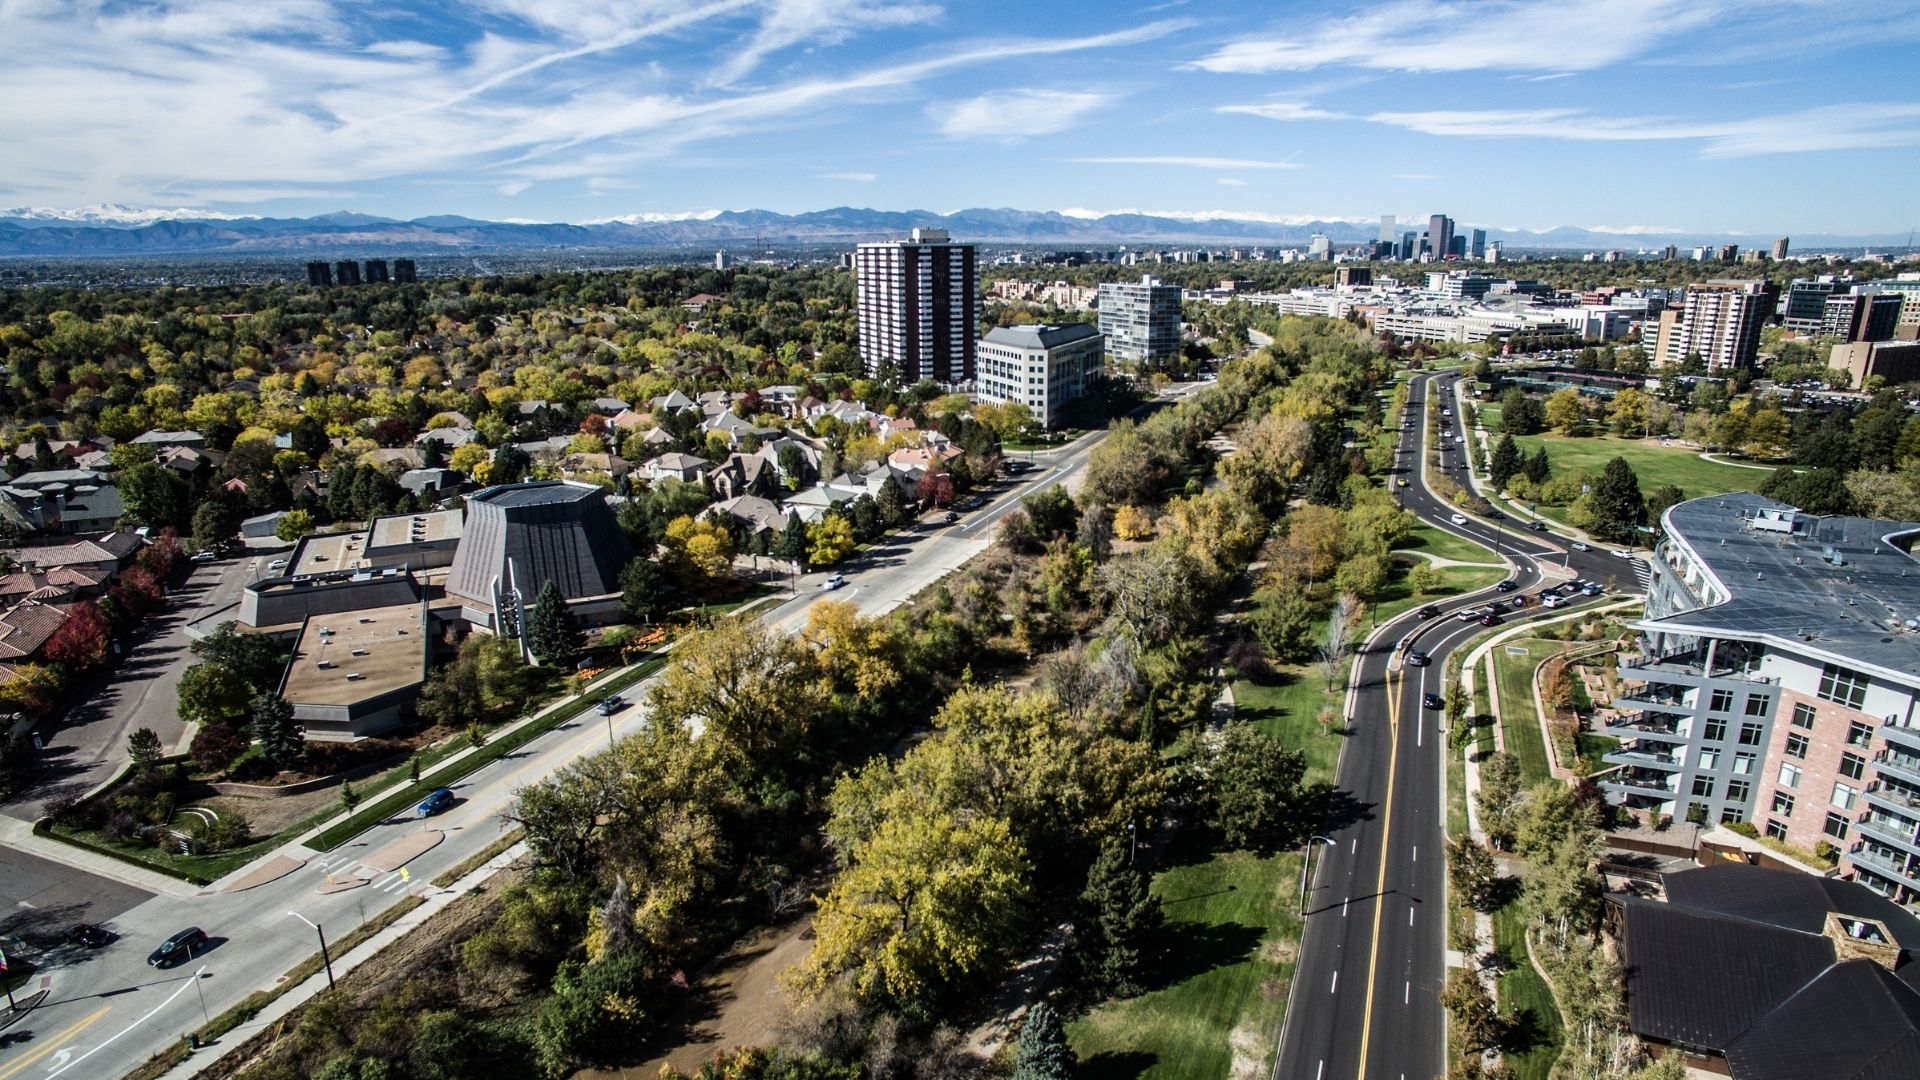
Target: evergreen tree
1504,464
1117,921
273,728
646,590
1538,468
793,542
1042,1053
551,632
1616,503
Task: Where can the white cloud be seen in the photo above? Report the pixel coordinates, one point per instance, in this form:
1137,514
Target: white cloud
1867,125
1231,181
514,187
1458,35
1220,215
652,217
853,177
826,22
1188,162
1283,110
1017,114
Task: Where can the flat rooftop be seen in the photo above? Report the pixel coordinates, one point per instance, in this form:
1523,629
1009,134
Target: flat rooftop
353,656
401,530
322,552
1839,585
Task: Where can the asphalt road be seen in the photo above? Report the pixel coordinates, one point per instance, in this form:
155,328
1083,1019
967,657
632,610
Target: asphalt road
109,1013
1366,992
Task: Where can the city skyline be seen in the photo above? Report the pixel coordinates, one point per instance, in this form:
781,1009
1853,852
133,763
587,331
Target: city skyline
1632,117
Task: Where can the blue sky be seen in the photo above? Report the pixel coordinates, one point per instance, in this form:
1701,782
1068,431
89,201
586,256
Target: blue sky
1693,115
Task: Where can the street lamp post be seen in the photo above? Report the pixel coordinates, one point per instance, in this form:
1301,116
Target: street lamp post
1131,843
1306,866
325,959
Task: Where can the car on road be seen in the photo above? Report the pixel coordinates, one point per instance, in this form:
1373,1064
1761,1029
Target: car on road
440,799
203,556
610,705
1402,482
1519,602
1552,600
1621,553
1416,658
1458,519
1429,612
1578,546
1507,586
89,936
182,946
1592,588
1496,515
949,517
1432,701
833,582
1491,619
1015,468
1466,615
1537,526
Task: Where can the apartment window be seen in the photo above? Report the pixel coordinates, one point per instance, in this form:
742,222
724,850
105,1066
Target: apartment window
1739,790
1750,734
1836,826
1783,804
1703,787
1844,796
1743,764
1777,830
1722,701
1715,731
1859,733
1853,766
1803,715
1707,759
1843,686
1789,774
1797,746
1758,704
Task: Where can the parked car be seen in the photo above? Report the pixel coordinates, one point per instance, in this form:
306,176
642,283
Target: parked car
1507,586
203,556
435,802
1429,612
949,517
1015,468
89,936
1432,701
1458,519
610,705
833,582
1592,588
1416,658
182,946
277,564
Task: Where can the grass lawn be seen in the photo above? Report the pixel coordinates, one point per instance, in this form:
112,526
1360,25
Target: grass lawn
1525,1001
1445,545
1517,717
1654,464
1396,598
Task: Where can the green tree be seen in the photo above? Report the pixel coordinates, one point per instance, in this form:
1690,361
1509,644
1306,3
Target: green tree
1253,788
1476,1019
1504,463
254,658
793,540
349,798
1615,502
1471,871
143,748
647,591
273,728
215,520
293,525
1042,1051
1284,622
1499,798
551,631
209,693
1425,579
1539,468
1116,923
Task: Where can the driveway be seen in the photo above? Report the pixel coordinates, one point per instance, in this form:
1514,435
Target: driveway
85,745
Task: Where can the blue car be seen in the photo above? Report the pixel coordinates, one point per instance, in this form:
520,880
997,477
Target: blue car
439,800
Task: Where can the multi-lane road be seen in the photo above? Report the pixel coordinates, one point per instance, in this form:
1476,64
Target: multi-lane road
1365,1002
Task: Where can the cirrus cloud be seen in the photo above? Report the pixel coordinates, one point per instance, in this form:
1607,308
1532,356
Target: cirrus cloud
1017,114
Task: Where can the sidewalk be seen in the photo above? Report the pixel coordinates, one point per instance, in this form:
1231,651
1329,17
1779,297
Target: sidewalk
19,835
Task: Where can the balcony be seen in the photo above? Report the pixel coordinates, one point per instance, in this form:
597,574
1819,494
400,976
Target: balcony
1894,798
1644,755
1899,766
1635,781
1685,666
1888,831
1903,736
1649,724
1655,697
1899,869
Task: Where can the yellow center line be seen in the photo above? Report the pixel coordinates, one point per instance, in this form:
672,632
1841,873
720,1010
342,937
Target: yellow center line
1380,889
53,1044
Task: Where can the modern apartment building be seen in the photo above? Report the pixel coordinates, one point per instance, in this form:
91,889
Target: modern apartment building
1863,313
917,307
1720,320
1141,321
1042,367
1804,309
1780,683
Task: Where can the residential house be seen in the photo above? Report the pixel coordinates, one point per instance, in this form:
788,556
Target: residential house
683,467
755,515
673,401
627,420
430,481
104,554
406,457
813,503
932,453
161,440
50,586
261,526
610,406
26,626
449,438
187,459
613,465
698,302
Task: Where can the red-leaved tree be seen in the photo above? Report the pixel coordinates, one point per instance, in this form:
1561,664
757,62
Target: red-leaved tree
82,639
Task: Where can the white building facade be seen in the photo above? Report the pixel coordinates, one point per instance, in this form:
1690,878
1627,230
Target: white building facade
1042,367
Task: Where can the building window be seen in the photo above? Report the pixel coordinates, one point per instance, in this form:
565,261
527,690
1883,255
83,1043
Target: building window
1777,830
1722,701
1703,787
1853,766
1789,774
1729,815
1843,796
1859,733
1707,759
1803,715
1757,704
1836,826
1843,686
1750,734
1783,804
1715,731
1739,790
1743,764
1797,746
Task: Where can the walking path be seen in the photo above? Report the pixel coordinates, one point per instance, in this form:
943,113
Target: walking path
1722,459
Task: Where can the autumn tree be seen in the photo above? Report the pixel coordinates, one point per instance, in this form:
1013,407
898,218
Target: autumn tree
1566,409
1499,798
1475,1018
1471,871
829,540
82,638
697,552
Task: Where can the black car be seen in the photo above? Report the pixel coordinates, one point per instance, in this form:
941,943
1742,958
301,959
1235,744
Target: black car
1506,586
1416,658
1496,515
89,936
1537,526
1432,701
950,517
611,705
1429,612
182,946
1490,619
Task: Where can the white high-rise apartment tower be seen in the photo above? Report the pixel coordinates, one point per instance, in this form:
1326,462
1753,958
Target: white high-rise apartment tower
918,313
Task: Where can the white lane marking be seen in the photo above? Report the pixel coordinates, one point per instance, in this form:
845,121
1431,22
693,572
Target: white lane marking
1416,853
1335,988
1321,1071
1343,906
1407,997
1409,916
1355,850
130,1027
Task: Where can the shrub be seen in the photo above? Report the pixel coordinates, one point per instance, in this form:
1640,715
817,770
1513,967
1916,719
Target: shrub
217,746
120,828
229,831
65,809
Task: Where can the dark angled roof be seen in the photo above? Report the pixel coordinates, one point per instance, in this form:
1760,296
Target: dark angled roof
546,531
1855,1022
1787,900
1704,979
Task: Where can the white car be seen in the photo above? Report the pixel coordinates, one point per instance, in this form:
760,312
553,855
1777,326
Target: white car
202,556
1621,553
1578,546
834,581
1458,519
277,564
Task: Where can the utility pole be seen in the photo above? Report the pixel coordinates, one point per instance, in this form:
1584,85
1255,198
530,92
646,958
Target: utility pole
325,959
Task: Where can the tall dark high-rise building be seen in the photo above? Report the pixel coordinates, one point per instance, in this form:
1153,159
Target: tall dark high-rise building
1440,235
917,307
376,271
1477,244
319,274
403,271
347,272
1409,246
1780,248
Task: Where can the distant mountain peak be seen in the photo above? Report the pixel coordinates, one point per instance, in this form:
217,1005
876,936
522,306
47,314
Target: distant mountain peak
116,215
